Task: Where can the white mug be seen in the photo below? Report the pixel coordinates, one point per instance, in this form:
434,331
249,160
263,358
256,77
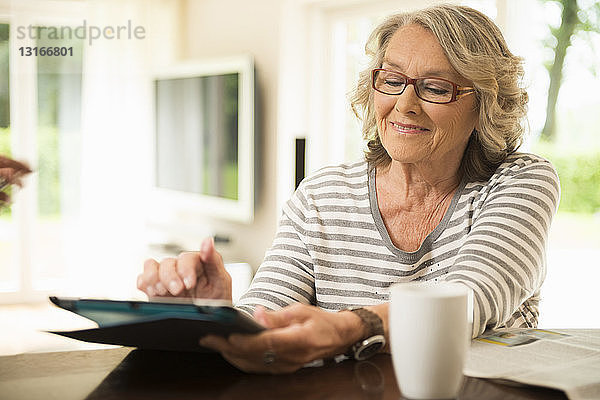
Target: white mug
430,331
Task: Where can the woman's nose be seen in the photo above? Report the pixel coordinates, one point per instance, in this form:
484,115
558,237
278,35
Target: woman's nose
408,101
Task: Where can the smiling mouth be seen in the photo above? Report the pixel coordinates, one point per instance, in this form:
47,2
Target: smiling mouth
408,128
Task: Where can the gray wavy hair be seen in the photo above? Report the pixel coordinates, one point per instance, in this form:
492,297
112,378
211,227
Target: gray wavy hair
477,50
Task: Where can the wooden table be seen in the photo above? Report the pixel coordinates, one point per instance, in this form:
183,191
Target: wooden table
123,373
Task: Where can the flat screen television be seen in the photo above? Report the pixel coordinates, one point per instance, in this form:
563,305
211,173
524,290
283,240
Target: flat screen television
204,138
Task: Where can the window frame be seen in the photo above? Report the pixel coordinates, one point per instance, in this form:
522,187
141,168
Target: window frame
23,128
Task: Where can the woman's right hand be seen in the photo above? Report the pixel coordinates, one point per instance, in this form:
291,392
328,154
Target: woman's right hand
197,274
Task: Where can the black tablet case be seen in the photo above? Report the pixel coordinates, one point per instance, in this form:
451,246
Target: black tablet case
164,331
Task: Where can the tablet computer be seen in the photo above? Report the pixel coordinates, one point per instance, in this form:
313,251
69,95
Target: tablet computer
166,324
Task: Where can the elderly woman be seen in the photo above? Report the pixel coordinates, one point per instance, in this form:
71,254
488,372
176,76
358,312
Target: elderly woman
441,195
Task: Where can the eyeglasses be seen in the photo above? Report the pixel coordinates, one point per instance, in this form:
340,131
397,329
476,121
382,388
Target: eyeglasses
431,90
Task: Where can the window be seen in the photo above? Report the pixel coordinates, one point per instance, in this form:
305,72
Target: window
348,60
43,97
58,139
83,122
574,243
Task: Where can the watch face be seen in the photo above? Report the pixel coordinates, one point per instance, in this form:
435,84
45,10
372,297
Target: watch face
370,351
369,347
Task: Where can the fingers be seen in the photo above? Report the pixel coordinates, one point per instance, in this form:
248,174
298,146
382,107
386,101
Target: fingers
187,266
216,343
164,278
301,335
168,276
296,313
199,274
249,357
272,319
147,281
210,258
248,352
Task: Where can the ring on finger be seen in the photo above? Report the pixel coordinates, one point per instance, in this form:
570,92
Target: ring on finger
269,357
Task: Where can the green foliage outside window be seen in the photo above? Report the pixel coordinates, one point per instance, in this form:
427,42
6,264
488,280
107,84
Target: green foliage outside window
579,175
570,140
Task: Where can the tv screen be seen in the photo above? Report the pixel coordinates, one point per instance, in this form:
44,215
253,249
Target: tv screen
197,135
204,138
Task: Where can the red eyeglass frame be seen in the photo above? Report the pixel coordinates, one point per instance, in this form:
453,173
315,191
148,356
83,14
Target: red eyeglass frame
457,91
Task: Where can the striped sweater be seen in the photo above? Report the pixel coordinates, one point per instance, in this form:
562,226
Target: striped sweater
332,248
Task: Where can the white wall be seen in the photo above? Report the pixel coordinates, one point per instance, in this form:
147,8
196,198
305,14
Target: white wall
220,28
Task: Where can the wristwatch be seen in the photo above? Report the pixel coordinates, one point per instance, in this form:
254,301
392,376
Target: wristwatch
373,341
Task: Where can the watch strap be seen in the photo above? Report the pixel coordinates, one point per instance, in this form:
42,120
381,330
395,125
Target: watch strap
372,322
373,341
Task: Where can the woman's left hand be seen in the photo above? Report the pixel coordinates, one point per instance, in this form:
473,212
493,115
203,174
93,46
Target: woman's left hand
298,334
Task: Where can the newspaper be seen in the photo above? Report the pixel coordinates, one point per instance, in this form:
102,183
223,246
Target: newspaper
565,359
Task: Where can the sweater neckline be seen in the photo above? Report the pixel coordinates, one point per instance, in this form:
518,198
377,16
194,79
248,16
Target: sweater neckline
406,256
